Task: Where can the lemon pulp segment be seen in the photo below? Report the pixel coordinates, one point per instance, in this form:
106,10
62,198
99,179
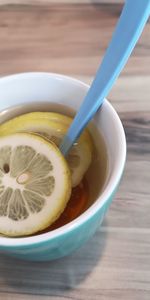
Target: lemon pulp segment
35,184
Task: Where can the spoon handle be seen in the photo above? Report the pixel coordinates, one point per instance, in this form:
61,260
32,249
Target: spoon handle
125,36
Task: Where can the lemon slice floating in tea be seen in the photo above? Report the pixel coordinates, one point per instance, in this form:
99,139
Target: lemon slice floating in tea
56,117
35,184
53,127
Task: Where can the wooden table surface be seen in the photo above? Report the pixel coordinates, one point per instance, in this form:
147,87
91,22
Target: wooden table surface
71,38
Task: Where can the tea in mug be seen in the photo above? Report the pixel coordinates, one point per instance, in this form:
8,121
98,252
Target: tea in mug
29,134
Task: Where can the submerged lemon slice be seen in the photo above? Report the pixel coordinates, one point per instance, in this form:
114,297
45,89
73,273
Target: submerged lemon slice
53,127
35,184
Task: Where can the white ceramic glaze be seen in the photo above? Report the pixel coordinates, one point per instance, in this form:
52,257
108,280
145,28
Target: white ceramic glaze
36,87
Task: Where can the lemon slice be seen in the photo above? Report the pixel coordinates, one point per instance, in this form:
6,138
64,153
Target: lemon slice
53,126
33,117
35,184
57,117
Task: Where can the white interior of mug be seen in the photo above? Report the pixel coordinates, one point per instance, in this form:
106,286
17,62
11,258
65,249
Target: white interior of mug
36,87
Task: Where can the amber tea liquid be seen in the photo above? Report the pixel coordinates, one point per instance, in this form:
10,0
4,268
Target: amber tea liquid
93,182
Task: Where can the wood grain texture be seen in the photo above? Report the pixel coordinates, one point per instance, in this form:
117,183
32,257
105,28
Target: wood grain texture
70,39
110,266
42,2
115,263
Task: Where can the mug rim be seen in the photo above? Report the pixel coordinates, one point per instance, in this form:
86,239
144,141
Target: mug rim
100,201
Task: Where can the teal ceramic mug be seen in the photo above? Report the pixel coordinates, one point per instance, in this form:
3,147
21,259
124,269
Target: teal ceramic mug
29,88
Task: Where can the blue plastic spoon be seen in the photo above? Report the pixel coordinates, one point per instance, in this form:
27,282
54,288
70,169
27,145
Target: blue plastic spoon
130,25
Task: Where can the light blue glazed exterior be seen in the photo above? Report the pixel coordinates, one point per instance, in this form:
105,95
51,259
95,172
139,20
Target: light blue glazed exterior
63,245
75,234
